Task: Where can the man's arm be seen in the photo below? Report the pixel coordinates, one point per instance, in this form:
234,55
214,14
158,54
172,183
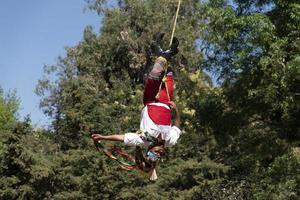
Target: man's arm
118,138
177,119
176,114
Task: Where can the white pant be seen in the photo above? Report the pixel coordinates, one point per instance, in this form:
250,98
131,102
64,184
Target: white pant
169,133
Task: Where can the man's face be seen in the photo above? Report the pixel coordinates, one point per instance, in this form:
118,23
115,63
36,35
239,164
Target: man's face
159,150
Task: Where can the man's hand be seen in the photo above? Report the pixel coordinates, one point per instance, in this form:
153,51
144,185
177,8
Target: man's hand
172,105
96,137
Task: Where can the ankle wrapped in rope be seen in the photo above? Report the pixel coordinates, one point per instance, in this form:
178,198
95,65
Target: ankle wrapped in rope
159,67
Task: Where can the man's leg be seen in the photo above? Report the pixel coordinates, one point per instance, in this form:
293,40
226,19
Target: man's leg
153,80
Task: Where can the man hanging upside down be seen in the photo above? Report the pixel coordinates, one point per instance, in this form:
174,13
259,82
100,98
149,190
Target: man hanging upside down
157,130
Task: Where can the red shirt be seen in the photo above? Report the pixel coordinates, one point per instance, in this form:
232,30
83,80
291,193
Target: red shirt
159,115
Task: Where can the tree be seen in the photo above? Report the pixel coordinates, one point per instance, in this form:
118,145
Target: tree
9,105
247,124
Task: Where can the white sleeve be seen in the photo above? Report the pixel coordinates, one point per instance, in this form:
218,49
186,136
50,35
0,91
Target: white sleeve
133,139
172,136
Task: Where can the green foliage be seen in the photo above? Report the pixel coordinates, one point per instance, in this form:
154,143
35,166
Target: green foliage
255,54
25,165
281,179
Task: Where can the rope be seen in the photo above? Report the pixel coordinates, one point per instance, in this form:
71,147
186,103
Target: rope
125,161
166,85
175,21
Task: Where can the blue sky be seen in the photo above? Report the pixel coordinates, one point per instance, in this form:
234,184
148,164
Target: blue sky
34,33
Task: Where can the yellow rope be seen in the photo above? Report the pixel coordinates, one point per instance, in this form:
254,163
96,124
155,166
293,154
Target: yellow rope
157,95
175,21
166,85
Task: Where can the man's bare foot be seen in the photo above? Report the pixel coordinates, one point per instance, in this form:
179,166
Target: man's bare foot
96,137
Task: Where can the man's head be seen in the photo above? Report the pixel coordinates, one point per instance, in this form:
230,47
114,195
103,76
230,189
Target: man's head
156,152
